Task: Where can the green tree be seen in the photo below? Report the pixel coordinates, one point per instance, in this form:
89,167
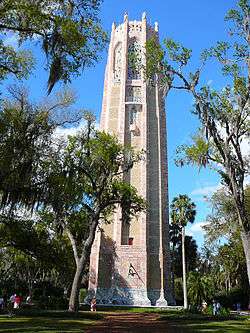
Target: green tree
223,219
223,115
68,32
75,184
26,141
85,185
200,288
182,212
192,256
232,264
17,62
32,253
192,261
175,240
26,136
227,261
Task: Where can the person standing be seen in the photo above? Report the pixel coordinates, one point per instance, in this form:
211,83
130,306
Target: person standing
17,302
218,307
28,299
11,305
1,303
204,307
93,304
214,305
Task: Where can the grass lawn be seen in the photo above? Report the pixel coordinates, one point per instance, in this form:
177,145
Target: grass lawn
199,323
168,321
48,322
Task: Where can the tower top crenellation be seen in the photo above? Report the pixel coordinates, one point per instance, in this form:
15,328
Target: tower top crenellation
125,17
135,26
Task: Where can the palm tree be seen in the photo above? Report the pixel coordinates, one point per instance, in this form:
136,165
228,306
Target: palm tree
200,288
182,212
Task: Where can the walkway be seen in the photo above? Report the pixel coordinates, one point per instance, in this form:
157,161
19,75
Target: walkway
132,323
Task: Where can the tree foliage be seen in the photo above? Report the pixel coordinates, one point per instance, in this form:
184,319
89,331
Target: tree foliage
25,143
200,288
192,257
85,186
68,32
224,115
182,210
74,184
32,254
222,222
17,62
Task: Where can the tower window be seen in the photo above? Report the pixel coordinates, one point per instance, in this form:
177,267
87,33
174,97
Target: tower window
133,114
130,241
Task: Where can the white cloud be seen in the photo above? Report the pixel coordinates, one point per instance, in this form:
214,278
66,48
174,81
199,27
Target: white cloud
189,233
197,227
64,132
206,190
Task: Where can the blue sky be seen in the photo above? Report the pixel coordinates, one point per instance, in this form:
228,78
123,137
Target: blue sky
197,24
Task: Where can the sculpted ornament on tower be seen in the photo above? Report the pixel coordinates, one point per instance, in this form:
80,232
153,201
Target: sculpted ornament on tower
134,60
118,63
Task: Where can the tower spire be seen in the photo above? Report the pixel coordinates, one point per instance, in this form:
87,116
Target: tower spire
125,18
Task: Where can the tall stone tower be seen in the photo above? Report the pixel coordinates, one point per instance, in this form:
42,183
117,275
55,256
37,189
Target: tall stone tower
130,263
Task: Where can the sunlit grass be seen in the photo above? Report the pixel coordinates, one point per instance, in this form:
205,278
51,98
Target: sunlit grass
176,321
187,322
45,324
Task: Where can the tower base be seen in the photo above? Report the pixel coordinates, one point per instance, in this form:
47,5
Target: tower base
161,302
119,296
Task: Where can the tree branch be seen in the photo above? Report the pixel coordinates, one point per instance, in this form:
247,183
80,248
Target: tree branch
8,69
20,29
73,244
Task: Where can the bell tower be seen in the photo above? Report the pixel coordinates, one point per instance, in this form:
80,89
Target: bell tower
130,263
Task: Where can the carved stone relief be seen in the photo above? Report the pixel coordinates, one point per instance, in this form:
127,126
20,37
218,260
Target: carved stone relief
133,94
134,118
118,63
134,60
135,28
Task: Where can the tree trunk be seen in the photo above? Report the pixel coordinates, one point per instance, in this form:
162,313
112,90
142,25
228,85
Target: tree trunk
184,268
173,277
80,265
74,294
245,237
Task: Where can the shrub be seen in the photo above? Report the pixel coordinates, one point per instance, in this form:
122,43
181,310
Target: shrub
82,295
52,303
208,310
235,295
224,312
